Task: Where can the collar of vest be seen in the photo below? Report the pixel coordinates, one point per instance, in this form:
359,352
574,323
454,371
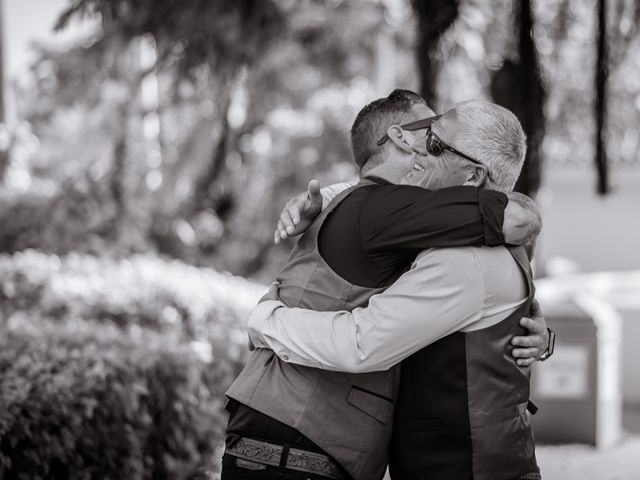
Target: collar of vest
378,180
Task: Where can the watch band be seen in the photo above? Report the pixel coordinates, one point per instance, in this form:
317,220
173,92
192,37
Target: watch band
552,343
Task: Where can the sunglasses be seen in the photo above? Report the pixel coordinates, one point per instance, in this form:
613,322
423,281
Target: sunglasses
435,145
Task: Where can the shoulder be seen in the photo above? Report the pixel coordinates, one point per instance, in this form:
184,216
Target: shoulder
394,194
488,266
454,257
451,273
452,265
351,196
395,191
382,203
471,257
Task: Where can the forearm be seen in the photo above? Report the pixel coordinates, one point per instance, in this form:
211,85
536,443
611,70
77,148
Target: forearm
413,219
374,338
294,333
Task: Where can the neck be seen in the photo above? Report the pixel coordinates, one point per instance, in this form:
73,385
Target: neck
387,172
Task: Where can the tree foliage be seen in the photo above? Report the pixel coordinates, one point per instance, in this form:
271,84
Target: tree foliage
262,121
254,98
221,35
435,17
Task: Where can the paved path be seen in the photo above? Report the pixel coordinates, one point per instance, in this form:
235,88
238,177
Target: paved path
581,462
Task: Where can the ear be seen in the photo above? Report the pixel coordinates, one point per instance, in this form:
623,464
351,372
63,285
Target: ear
477,175
399,137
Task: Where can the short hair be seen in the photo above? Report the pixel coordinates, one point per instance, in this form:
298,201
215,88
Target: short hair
374,120
492,135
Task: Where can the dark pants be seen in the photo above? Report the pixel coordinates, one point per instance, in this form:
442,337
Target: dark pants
234,468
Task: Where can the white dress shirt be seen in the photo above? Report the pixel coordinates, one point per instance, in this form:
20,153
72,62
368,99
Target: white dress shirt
446,290
330,192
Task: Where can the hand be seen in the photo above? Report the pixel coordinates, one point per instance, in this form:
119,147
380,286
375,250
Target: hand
299,212
536,342
522,221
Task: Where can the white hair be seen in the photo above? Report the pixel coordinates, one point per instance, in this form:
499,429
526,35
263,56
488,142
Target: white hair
492,135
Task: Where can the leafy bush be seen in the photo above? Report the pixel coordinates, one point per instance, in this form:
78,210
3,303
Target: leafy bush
81,404
98,381
145,291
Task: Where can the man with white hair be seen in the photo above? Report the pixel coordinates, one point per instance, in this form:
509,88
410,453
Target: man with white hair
461,411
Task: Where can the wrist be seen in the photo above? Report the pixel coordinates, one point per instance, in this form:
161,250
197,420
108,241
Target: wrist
493,209
522,221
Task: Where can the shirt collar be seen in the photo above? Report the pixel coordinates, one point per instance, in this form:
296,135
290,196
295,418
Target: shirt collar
378,180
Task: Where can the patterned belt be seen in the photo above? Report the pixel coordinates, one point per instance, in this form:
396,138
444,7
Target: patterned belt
270,454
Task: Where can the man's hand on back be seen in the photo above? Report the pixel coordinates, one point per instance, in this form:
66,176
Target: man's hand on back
530,347
522,221
299,212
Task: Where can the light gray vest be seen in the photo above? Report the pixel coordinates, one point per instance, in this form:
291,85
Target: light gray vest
349,416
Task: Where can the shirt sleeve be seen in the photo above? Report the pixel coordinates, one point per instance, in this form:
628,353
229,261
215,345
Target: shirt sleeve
411,219
442,293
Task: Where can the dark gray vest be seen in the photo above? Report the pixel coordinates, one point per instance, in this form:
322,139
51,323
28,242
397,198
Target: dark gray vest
461,412
349,416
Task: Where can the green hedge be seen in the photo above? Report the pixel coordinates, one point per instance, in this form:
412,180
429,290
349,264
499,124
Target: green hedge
94,386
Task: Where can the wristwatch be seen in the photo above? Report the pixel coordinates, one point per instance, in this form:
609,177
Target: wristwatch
552,344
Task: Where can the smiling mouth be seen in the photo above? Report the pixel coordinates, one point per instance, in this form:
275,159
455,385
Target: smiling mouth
418,168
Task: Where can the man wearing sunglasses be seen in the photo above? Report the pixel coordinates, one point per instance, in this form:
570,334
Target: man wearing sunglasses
288,418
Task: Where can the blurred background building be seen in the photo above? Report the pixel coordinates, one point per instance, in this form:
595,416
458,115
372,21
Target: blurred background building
146,149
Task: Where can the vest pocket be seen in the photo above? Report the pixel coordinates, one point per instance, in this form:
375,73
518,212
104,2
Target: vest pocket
374,405
503,445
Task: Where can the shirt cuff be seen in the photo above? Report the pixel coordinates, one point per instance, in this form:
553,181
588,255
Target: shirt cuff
258,318
492,205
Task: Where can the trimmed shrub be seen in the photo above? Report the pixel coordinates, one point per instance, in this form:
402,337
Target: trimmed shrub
81,403
98,381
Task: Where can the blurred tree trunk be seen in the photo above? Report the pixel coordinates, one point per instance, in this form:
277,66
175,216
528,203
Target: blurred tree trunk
518,86
202,196
4,149
434,19
118,166
602,73
125,67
